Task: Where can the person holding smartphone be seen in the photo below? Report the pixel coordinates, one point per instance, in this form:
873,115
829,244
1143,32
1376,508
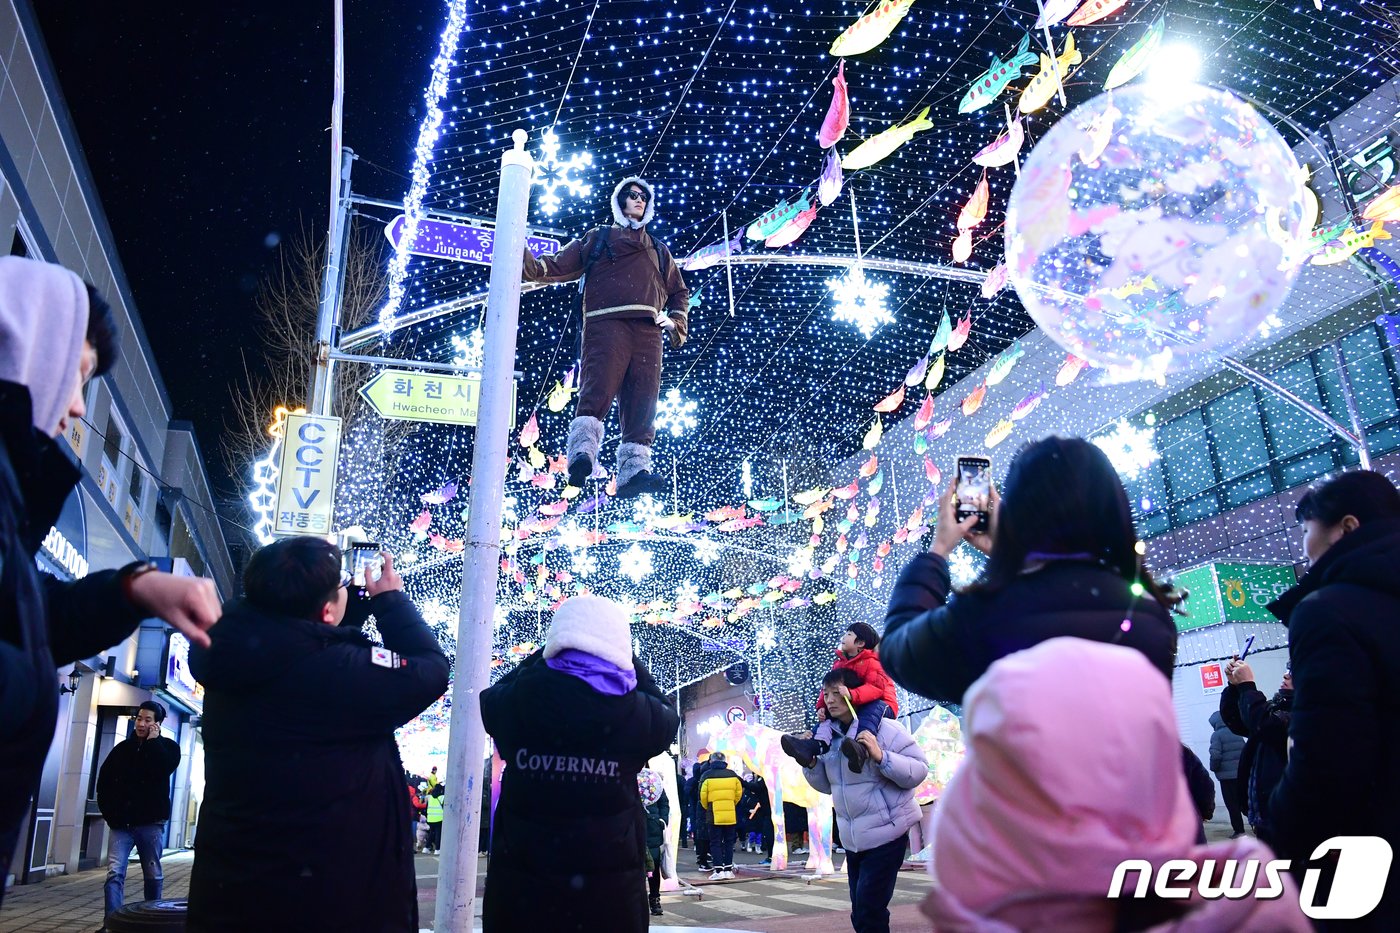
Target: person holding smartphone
1062,560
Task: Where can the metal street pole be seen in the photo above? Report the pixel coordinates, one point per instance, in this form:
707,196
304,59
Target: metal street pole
332,285
456,889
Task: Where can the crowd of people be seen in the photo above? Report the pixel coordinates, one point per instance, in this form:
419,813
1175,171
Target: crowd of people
1061,655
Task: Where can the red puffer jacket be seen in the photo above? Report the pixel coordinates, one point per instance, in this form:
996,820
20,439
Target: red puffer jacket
877,684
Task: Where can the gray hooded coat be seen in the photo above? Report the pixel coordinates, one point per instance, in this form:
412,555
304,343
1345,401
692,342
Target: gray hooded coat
1225,749
877,805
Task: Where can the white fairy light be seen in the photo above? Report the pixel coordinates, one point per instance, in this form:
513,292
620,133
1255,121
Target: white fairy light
647,509
263,498
687,593
675,414
428,133
553,172
469,352
635,563
1129,449
573,535
499,616
746,477
860,301
707,551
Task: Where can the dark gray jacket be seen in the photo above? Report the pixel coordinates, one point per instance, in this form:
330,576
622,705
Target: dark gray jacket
1225,749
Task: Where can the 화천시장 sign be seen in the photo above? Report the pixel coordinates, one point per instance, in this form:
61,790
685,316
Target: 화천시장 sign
414,396
306,481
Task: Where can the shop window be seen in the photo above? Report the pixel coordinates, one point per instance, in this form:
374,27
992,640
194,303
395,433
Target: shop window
138,484
18,246
1250,489
1194,510
1305,469
112,443
1371,382
1293,431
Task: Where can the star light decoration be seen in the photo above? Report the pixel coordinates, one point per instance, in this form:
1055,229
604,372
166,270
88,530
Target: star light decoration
469,352
553,172
1129,449
635,563
860,301
675,414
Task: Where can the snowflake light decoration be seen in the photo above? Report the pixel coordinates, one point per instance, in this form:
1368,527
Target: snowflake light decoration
573,535
647,509
963,568
635,563
500,616
469,352
799,562
687,593
860,301
584,564
766,639
1129,449
707,551
553,172
675,414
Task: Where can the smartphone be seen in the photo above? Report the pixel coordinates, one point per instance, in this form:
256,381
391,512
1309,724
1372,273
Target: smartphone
1248,643
973,491
362,558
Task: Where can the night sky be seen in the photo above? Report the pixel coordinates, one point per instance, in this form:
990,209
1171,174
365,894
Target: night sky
206,130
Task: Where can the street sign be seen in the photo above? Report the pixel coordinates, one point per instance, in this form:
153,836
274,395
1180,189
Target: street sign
441,239
415,396
306,481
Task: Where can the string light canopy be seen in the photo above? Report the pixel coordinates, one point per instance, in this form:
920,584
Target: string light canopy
719,106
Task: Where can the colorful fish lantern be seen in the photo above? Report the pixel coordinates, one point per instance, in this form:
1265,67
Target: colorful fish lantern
1047,82
537,458
531,432
871,29
829,185
999,433
872,437
975,210
724,513
1384,206
962,246
1094,10
807,497
1343,247
1054,11
996,280
1004,149
704,258
1131,63
939,429
561,393
1070,369
1029,404
931,471
940,336
1098,133
995,79
869,467
792,229
419,526
892,401
439,496
916,373
846,493
924,415
777,218
554,508
1006,360
935,372
973,401
881,145
959,334
877,482
838,113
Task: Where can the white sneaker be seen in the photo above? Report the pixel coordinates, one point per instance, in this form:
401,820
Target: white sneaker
718,875
729,875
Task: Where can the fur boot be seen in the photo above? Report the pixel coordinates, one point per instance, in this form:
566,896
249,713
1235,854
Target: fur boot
585,440
634,476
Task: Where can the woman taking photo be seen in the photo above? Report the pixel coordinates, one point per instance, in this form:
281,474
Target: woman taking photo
1063,560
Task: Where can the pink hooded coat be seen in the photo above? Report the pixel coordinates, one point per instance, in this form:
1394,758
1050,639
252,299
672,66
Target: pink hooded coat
1074,765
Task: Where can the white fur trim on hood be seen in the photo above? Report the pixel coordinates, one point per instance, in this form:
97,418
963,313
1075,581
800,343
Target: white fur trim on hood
43,323
594,625
621,219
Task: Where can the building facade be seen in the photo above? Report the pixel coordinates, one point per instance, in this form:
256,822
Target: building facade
144,493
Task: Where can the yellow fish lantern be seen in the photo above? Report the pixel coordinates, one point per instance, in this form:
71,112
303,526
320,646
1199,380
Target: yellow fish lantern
1045,84
1384,206
871,29
881,145
1342,248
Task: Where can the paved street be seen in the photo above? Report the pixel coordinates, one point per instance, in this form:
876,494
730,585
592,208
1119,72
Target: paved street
758,900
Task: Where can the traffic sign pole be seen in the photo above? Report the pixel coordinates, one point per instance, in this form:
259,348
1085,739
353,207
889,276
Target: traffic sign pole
456,887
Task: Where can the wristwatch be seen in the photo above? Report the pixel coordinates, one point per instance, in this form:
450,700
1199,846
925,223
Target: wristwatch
128,575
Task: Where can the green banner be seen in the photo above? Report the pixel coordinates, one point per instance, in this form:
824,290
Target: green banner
1231,592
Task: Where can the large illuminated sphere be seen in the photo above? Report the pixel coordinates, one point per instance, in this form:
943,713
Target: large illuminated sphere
1152,223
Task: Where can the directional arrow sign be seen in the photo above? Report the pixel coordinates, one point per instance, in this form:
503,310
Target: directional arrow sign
415,396
440,239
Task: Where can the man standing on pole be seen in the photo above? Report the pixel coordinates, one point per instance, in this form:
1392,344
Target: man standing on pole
633,293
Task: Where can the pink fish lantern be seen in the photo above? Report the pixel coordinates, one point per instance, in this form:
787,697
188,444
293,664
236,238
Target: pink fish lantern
975,210
1004,149
420,524
995,280
925,414
960,333
838,114
1070,369
793,229
939,429
829,186
962,246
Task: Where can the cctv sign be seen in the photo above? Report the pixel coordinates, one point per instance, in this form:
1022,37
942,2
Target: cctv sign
306,479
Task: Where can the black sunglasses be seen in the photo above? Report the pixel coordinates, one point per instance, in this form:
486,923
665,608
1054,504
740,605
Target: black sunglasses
639,195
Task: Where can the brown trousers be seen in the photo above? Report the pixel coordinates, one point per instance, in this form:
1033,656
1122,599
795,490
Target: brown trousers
622,360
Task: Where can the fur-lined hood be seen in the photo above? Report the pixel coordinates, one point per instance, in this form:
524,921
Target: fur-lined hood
621,219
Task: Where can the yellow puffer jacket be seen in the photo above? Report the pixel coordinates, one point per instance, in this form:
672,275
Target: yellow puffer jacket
720,793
